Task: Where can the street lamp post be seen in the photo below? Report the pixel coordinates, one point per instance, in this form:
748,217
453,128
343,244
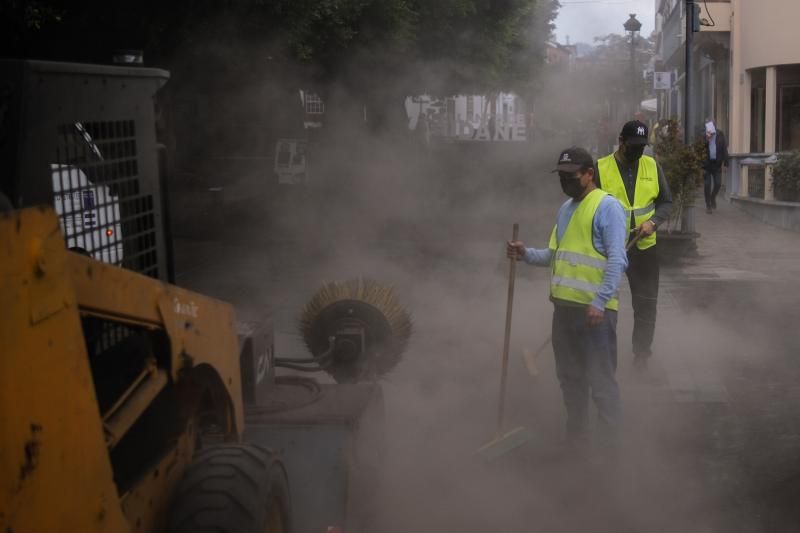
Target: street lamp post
688,75
632,25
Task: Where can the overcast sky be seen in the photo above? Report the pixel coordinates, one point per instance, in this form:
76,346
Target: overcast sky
583,20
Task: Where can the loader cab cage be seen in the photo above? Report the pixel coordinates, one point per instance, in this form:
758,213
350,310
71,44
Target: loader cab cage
82,139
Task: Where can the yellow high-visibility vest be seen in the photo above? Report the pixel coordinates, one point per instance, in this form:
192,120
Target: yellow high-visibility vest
644,195
578,268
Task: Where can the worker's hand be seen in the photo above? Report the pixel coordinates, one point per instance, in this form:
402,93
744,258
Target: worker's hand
515,249
594,316
647,228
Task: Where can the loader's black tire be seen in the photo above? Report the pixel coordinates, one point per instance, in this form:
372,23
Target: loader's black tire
232,488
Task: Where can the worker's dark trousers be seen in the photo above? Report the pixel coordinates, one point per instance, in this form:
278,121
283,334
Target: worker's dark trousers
643,273
586,361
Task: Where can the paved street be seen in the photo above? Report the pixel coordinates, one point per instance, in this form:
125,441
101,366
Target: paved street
712,431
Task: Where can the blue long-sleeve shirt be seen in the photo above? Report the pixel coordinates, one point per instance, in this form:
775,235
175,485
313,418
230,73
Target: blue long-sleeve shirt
609,234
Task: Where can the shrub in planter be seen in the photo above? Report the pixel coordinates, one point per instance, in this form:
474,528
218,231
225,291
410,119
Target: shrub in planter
786,176
683,168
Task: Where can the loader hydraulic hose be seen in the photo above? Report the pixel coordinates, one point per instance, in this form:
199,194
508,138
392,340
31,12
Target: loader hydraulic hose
321,362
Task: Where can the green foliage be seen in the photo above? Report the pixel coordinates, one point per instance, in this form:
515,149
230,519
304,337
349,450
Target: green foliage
324,31
612,57
451,46
615,49
682,164
786,176
29,14
443,46
480,46
21,20
379,51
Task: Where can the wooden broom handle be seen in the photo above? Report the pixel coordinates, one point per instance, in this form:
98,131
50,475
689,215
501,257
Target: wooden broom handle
512,271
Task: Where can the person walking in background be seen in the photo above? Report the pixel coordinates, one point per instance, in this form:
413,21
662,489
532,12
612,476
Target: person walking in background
586,254
638,182
716,157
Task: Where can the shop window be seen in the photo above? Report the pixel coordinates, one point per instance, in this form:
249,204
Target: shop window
788,126
758,82
707,91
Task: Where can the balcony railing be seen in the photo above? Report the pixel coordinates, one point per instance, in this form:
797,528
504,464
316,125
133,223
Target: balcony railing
749,186
749,175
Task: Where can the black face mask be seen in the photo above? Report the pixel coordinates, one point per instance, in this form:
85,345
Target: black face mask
633,153
572,187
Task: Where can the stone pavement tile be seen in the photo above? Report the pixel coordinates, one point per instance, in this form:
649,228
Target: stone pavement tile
680,360
733,248
733,244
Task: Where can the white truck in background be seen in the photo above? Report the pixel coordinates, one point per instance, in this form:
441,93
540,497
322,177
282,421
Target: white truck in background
88,215
88,212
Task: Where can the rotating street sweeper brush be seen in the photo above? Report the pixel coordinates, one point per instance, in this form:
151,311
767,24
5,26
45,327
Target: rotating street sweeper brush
355,329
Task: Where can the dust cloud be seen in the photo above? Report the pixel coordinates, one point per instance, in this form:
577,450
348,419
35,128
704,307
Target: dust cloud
432,221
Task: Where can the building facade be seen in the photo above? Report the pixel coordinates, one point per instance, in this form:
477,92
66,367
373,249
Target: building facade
765,85
563,55
711,55
746,60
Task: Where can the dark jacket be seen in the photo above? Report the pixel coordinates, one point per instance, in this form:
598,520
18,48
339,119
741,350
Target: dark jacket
722,153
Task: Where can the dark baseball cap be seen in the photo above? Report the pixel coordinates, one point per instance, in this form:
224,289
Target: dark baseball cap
634,132
573,159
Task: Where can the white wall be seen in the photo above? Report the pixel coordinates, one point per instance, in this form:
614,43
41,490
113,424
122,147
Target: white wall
769,34
763,34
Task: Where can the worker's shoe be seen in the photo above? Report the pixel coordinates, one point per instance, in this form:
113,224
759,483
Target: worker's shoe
708,210
645,372
640,362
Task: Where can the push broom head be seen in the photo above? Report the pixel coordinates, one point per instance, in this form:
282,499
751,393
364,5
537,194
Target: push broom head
370,326
504,443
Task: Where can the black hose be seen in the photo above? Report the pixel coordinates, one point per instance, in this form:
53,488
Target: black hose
301,368
322,361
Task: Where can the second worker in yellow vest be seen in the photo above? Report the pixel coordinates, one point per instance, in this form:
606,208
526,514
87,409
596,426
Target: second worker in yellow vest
638,182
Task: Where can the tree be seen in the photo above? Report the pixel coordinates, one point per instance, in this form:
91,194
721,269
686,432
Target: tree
379,50
21,21
610,61
387,49
683,169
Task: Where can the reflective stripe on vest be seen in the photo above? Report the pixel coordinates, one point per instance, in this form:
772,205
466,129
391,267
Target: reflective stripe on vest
578,268
642,211
578,285
644,195
578,259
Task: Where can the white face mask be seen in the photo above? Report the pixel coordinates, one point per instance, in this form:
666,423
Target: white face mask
710,129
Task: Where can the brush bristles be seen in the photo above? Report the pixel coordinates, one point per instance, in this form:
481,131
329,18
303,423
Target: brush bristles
368,291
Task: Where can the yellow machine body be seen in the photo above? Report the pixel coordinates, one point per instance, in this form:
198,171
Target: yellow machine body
57,445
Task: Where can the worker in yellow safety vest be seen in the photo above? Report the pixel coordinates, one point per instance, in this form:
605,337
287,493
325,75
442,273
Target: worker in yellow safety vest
586,254
638,182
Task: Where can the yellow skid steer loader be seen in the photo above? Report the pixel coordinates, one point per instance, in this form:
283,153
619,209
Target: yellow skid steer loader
109,381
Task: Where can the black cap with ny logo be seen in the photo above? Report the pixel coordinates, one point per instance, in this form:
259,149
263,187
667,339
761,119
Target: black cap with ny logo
573,159
634,132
